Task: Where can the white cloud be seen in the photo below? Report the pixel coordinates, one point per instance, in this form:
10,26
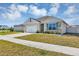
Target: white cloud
13,12
12,16
71,15
4,16
70,11
22,8
54,9
2,8
13,7
72,21
34,10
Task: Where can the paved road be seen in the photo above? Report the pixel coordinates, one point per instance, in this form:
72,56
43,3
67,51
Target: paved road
44,46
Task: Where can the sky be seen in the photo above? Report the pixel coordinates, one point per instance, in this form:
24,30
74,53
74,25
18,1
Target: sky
17,13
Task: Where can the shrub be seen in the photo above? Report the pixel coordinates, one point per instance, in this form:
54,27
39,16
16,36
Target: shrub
38,32
52,32
11,29
46,32
49,32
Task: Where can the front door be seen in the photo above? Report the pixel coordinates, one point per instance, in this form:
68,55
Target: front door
42,27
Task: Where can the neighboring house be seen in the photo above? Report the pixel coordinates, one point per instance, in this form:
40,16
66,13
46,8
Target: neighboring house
45,24
19,27
73,29
4,27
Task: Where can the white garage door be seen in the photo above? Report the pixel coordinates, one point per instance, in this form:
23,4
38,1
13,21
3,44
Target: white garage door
31,28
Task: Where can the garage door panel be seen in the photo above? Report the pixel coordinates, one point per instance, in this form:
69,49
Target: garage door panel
32,29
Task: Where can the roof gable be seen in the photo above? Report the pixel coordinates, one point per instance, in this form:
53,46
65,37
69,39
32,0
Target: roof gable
44,18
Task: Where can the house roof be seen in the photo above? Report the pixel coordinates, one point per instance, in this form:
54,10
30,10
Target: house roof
48,17
74,25
65,22
44,18
35,20
18,25
30,19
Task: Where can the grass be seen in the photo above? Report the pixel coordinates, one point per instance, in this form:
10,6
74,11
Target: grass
5,32
66,40
13,49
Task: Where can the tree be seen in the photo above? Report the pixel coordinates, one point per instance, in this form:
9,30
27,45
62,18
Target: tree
11,29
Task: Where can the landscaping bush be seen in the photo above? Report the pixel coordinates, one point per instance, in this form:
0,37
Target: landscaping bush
38,32
52,32
46,32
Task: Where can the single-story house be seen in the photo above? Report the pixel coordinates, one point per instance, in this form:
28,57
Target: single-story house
46,24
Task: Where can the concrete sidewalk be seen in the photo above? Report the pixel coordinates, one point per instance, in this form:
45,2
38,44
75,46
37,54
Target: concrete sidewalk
44,46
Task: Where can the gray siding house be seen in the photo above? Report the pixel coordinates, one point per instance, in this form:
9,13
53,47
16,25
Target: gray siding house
45,24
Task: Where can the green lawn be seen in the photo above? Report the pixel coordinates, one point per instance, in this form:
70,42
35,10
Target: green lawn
12,49
66,40
5,33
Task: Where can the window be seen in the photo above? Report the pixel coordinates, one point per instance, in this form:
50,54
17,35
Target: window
51,26
58,24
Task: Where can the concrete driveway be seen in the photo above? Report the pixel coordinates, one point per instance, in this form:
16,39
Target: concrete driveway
44,46
19,34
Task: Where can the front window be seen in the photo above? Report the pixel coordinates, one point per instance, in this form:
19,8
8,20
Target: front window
51,26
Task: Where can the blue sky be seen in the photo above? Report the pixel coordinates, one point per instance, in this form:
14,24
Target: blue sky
13,14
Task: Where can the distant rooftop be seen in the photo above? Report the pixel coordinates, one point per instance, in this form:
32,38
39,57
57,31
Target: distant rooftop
18,25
